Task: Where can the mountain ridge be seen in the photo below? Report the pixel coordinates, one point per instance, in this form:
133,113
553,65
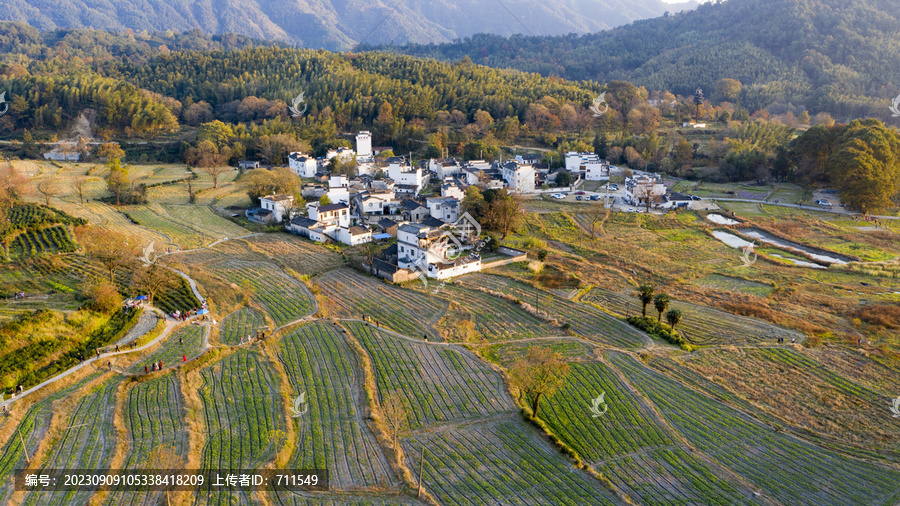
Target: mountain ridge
340,24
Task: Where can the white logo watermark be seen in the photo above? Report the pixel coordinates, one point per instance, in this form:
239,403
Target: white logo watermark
895,408
596,403
299,408
295,108
595,108
749,256
895,107
4,105
149,256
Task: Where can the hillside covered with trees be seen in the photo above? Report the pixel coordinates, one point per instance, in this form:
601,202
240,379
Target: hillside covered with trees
822,55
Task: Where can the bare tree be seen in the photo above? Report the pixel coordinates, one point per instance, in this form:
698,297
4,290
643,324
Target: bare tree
215,171
79,186
505,213
48,189
597,215
394,409
541,372
113,250
152,280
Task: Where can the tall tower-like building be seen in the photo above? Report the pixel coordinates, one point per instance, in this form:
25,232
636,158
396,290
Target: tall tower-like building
364,145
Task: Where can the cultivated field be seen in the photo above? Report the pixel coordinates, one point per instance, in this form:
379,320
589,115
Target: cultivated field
791,470
439,384
332,432
242,411
284,298
184,342
243,323
351,295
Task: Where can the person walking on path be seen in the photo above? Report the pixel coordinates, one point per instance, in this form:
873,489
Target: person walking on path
117,348
184,358
146,369
109,364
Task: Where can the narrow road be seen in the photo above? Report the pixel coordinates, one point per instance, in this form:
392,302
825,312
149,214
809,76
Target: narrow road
831,210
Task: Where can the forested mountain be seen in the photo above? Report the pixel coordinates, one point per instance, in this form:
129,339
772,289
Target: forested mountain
828,55
340,24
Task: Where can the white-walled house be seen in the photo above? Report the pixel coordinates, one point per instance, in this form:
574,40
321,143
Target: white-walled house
329,223
596,170
339,189
353,236
445,209
376,202
342,154
278,205
639,189
444,168
404,175
424,249
364,145
519,177
452,189
302,165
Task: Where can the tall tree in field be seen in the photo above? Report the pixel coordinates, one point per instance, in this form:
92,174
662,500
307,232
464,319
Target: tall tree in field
673,316
645,294
48,189
393,408
114,250
504,213
152,279
79,186
661,303
117,180
541,372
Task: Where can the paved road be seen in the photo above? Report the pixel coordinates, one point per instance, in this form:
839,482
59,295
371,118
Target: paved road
832,210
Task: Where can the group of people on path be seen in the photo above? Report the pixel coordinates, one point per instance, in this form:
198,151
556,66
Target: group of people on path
781,339
154,366
249,339
187,313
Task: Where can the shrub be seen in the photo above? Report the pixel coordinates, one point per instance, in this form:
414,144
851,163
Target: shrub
654,328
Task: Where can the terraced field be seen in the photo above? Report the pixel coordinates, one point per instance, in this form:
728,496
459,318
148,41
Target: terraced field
585,320
700,324
284,298
242,410
350,295
33,428
332,434
170,352
507,353
493,318
788,469
242,323
189,226
290,252
628,444
87,441
440,384
153,417
499,462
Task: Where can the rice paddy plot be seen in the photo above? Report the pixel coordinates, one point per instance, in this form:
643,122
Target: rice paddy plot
87,441
583,319
492,318
243,323
32,428
699,324
351,295
499,462
154,418
332,433
184,342
243,414
788,469
284,298
438,383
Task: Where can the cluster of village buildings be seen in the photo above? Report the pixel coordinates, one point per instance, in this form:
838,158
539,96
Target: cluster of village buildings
386,199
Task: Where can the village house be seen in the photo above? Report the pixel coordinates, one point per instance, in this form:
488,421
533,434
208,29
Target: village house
278,205
444,168
519,178
376,202
426,249
338,190
445,209
640,189
413,211
302,165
